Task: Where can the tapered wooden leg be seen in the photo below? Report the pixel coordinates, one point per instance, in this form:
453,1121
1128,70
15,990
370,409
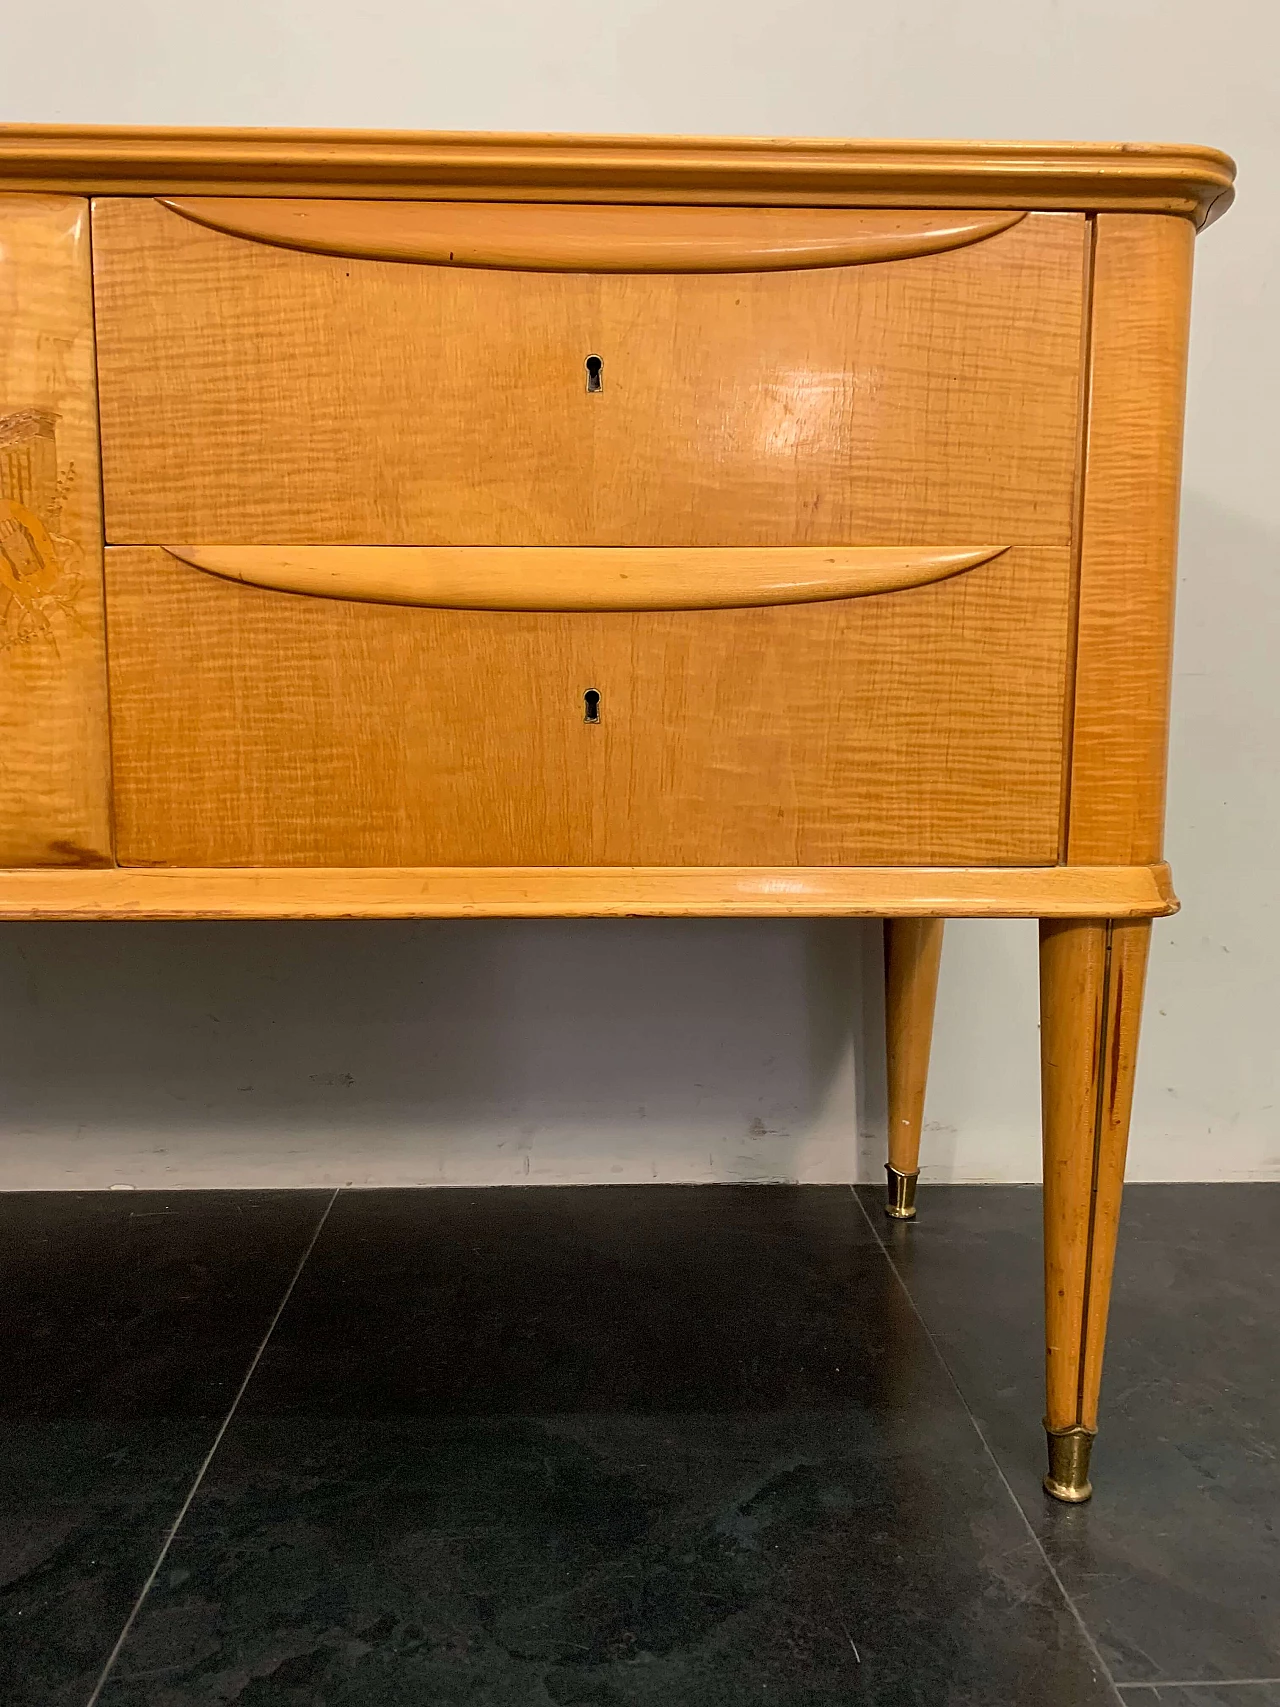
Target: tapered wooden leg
912,951
1091,979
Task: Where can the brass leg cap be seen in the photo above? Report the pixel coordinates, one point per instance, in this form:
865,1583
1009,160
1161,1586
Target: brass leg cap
900,1197
1068,1477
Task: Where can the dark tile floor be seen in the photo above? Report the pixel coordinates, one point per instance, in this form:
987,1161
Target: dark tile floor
607,1446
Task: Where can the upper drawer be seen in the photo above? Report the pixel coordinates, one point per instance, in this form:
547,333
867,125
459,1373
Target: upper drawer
255,392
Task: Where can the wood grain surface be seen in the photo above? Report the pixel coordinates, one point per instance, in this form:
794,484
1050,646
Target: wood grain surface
255,395
584,578
54,763
526,892
1129,538
254,727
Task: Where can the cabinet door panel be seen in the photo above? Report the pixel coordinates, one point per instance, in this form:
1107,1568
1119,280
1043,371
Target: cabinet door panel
54,768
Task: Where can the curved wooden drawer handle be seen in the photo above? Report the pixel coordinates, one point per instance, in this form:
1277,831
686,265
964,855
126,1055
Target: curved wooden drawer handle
584,578
568,238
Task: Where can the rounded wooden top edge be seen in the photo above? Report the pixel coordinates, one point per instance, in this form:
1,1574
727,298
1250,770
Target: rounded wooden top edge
1171,178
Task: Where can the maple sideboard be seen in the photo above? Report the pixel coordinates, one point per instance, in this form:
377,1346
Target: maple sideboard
419,526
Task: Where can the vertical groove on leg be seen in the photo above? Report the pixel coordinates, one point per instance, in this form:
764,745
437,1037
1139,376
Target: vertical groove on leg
1092,975
1100,1055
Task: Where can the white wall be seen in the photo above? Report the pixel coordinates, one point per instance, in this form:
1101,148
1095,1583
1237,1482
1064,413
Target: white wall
448,1052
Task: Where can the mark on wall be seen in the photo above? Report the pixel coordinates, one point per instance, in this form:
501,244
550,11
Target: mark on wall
38,575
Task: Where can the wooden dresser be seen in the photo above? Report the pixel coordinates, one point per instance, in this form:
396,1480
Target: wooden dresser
409,526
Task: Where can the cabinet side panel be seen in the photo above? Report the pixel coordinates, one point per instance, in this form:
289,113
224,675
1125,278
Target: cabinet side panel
54,767
1128,558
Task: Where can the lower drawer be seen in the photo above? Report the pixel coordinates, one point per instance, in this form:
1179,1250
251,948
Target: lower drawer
259,727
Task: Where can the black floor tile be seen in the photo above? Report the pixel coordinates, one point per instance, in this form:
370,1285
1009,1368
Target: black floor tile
1175,1564
127,1323
602,1447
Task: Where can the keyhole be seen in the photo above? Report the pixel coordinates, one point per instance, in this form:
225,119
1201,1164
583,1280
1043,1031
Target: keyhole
594,365
591,704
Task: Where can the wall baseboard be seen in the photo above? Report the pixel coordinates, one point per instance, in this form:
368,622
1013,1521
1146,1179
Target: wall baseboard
180,1161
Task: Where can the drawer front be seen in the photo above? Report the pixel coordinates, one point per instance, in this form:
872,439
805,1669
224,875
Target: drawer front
257,393
260,727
